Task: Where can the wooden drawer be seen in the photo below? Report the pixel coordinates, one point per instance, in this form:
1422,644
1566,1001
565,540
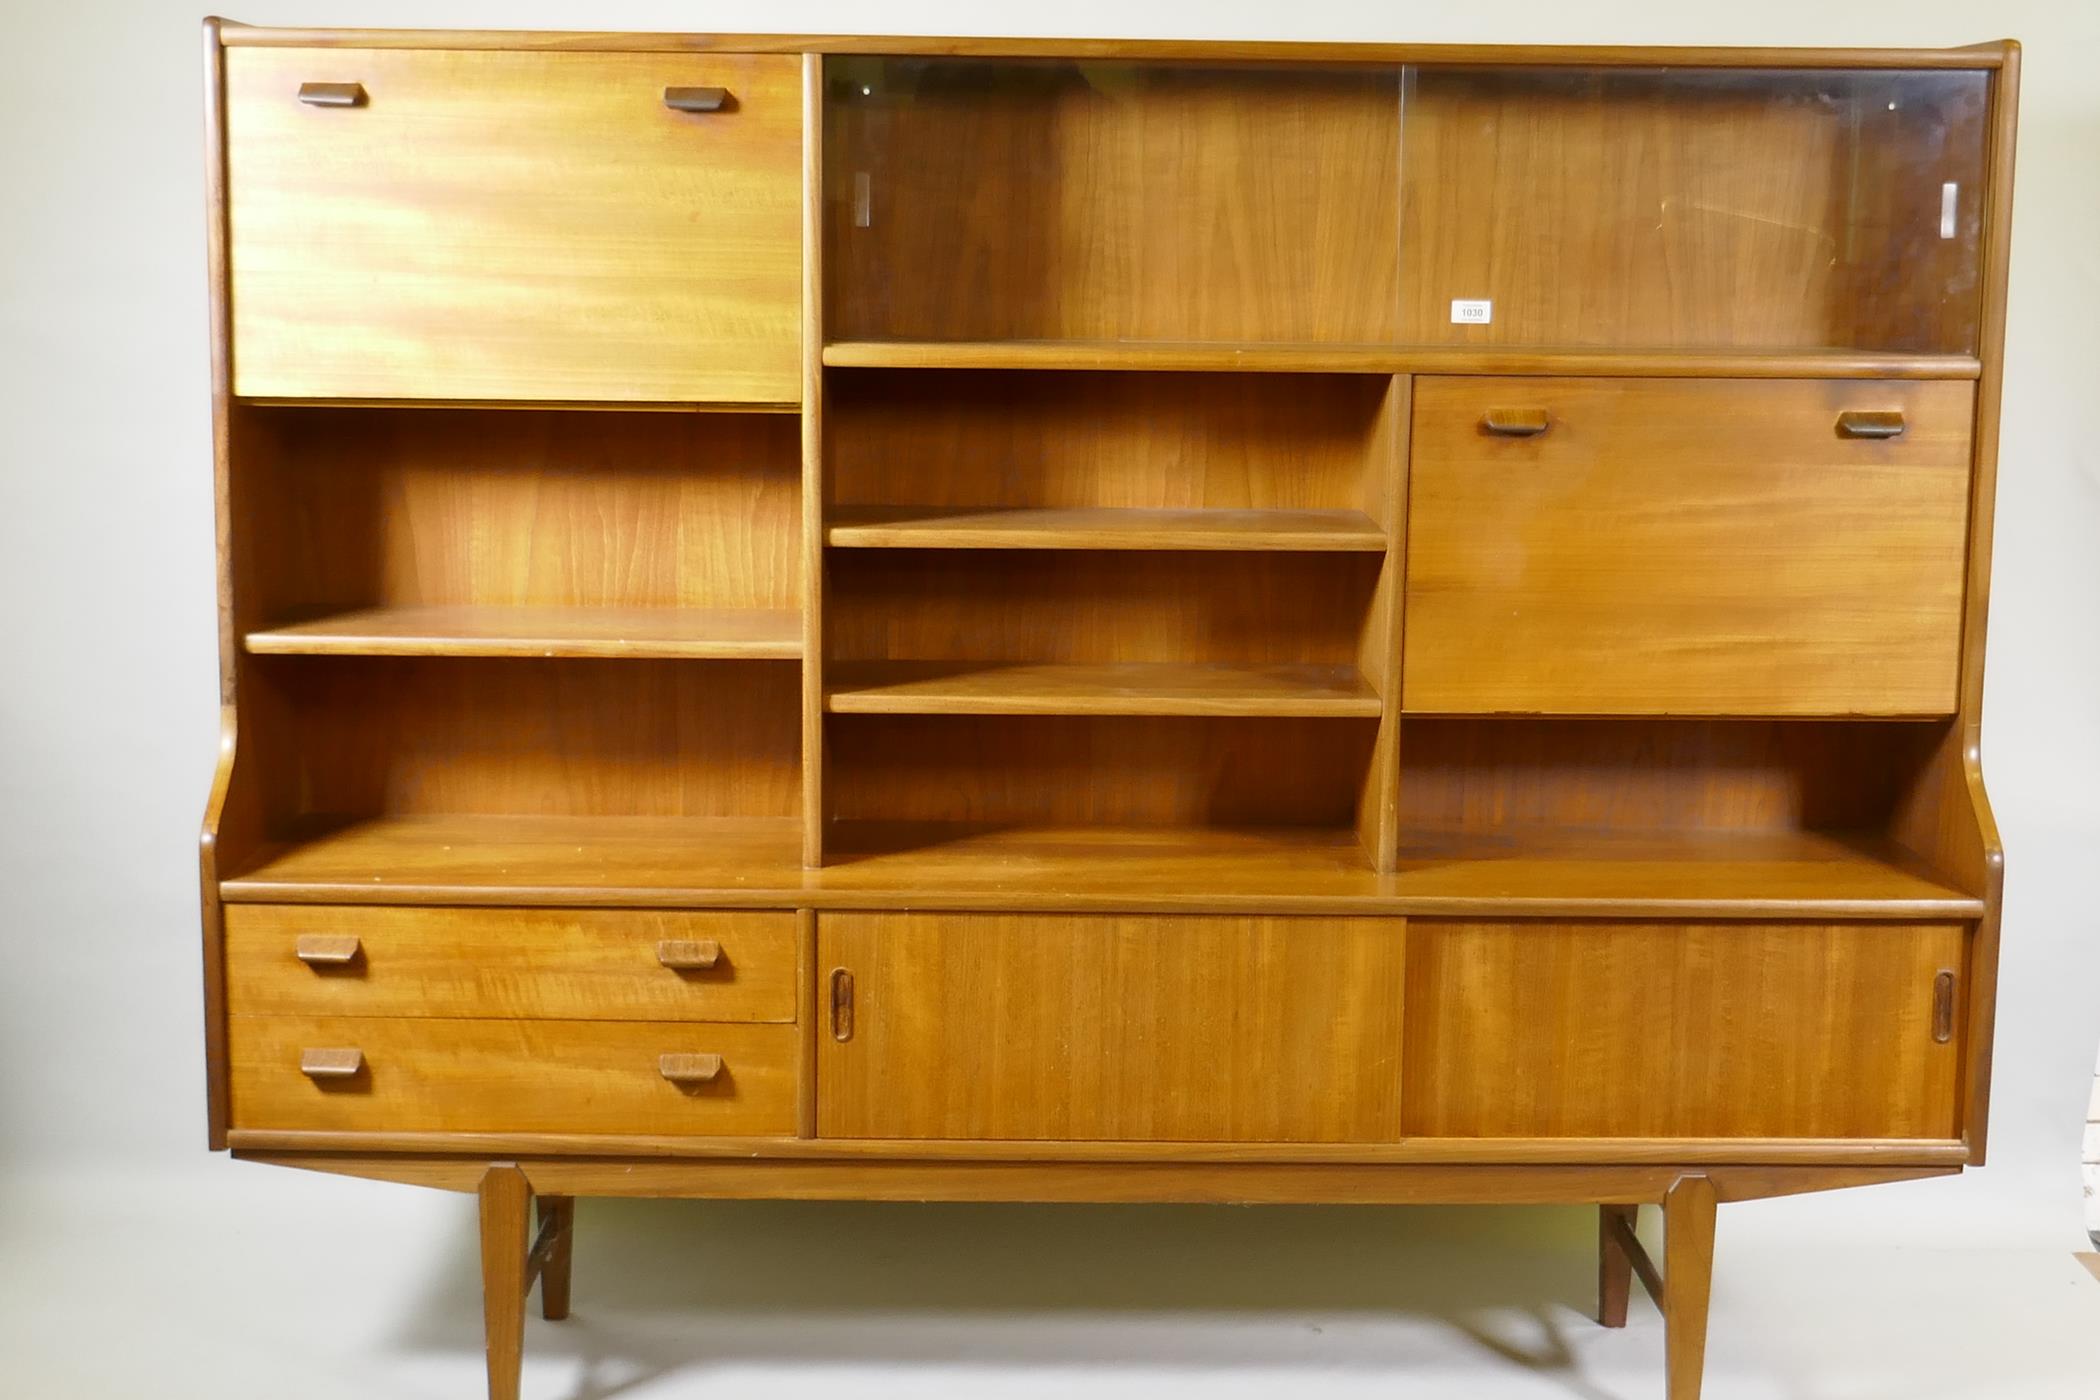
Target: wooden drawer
510,1076
1666,1030
520,225
604,965
1685,547
1103,1027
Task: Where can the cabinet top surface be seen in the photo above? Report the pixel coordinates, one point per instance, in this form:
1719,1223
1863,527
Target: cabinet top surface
1995,54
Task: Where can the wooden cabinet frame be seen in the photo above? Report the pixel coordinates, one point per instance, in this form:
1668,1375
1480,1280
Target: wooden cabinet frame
1201,730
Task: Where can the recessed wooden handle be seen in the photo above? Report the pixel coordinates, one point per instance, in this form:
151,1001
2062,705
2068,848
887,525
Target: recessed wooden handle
327,949
696,99
841,1004
332,94
690,1069
688,954
1870,423
1514,422
331,1063
1943,1008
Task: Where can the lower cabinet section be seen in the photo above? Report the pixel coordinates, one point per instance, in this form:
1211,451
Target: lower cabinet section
1683,1030
395,1075
1107,1027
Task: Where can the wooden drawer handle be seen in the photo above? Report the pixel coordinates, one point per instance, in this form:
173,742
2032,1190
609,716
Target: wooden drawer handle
1870,423
690,1069
327,949
1943,1008
696,99
332,94
1514,422
688,954
331,1063
841,1004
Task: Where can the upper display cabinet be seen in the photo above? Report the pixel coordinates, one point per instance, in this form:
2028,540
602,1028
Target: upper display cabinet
1539,207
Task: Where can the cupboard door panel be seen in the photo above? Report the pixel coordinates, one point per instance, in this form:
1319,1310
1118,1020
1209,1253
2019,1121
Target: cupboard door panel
485,225
570,964
1106,1027
1670,1030
410,1075
1685,547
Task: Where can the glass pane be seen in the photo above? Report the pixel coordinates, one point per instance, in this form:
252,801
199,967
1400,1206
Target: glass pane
1661,208
1024,199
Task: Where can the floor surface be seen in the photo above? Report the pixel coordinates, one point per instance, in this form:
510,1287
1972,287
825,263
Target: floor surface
243,1281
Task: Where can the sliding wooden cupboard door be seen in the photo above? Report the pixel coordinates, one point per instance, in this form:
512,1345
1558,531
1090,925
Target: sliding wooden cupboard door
1108,1027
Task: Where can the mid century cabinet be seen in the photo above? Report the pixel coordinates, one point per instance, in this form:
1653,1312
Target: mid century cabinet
1056,621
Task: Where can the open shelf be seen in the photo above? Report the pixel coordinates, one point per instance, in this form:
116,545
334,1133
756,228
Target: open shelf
470,630
1086,688
954,527
657,861
1670,871
1250,356
482,859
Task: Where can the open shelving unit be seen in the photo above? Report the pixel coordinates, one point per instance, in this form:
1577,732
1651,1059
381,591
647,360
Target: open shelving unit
1086,578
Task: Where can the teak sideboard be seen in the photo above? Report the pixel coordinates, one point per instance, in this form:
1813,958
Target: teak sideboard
955,619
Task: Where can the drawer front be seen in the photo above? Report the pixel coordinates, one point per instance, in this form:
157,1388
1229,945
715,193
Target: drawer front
1666,1030
605,965
1685,547
1103,1028
519,225
390,1075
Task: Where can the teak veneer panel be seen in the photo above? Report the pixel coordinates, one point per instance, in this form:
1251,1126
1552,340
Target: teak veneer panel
360,736
361,508
1137,441
1686,547
1103,1027
492,225
432,1075
557,964
1679,1030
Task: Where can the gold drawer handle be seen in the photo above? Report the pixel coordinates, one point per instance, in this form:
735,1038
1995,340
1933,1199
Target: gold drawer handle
696,99
688,954
332,1063
690,1069
1514,422
332,94
1870,423
327,949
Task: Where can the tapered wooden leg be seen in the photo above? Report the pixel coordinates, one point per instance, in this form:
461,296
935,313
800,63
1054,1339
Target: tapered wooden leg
505,1198
1614,1265
559,1214
1688,1276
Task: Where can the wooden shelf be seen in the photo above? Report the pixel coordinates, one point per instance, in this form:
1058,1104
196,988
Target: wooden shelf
1815,363
1079,688
719,633
941,527
527,860
668,862
1660,874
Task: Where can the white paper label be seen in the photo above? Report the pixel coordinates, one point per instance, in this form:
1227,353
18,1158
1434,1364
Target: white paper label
1472,313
